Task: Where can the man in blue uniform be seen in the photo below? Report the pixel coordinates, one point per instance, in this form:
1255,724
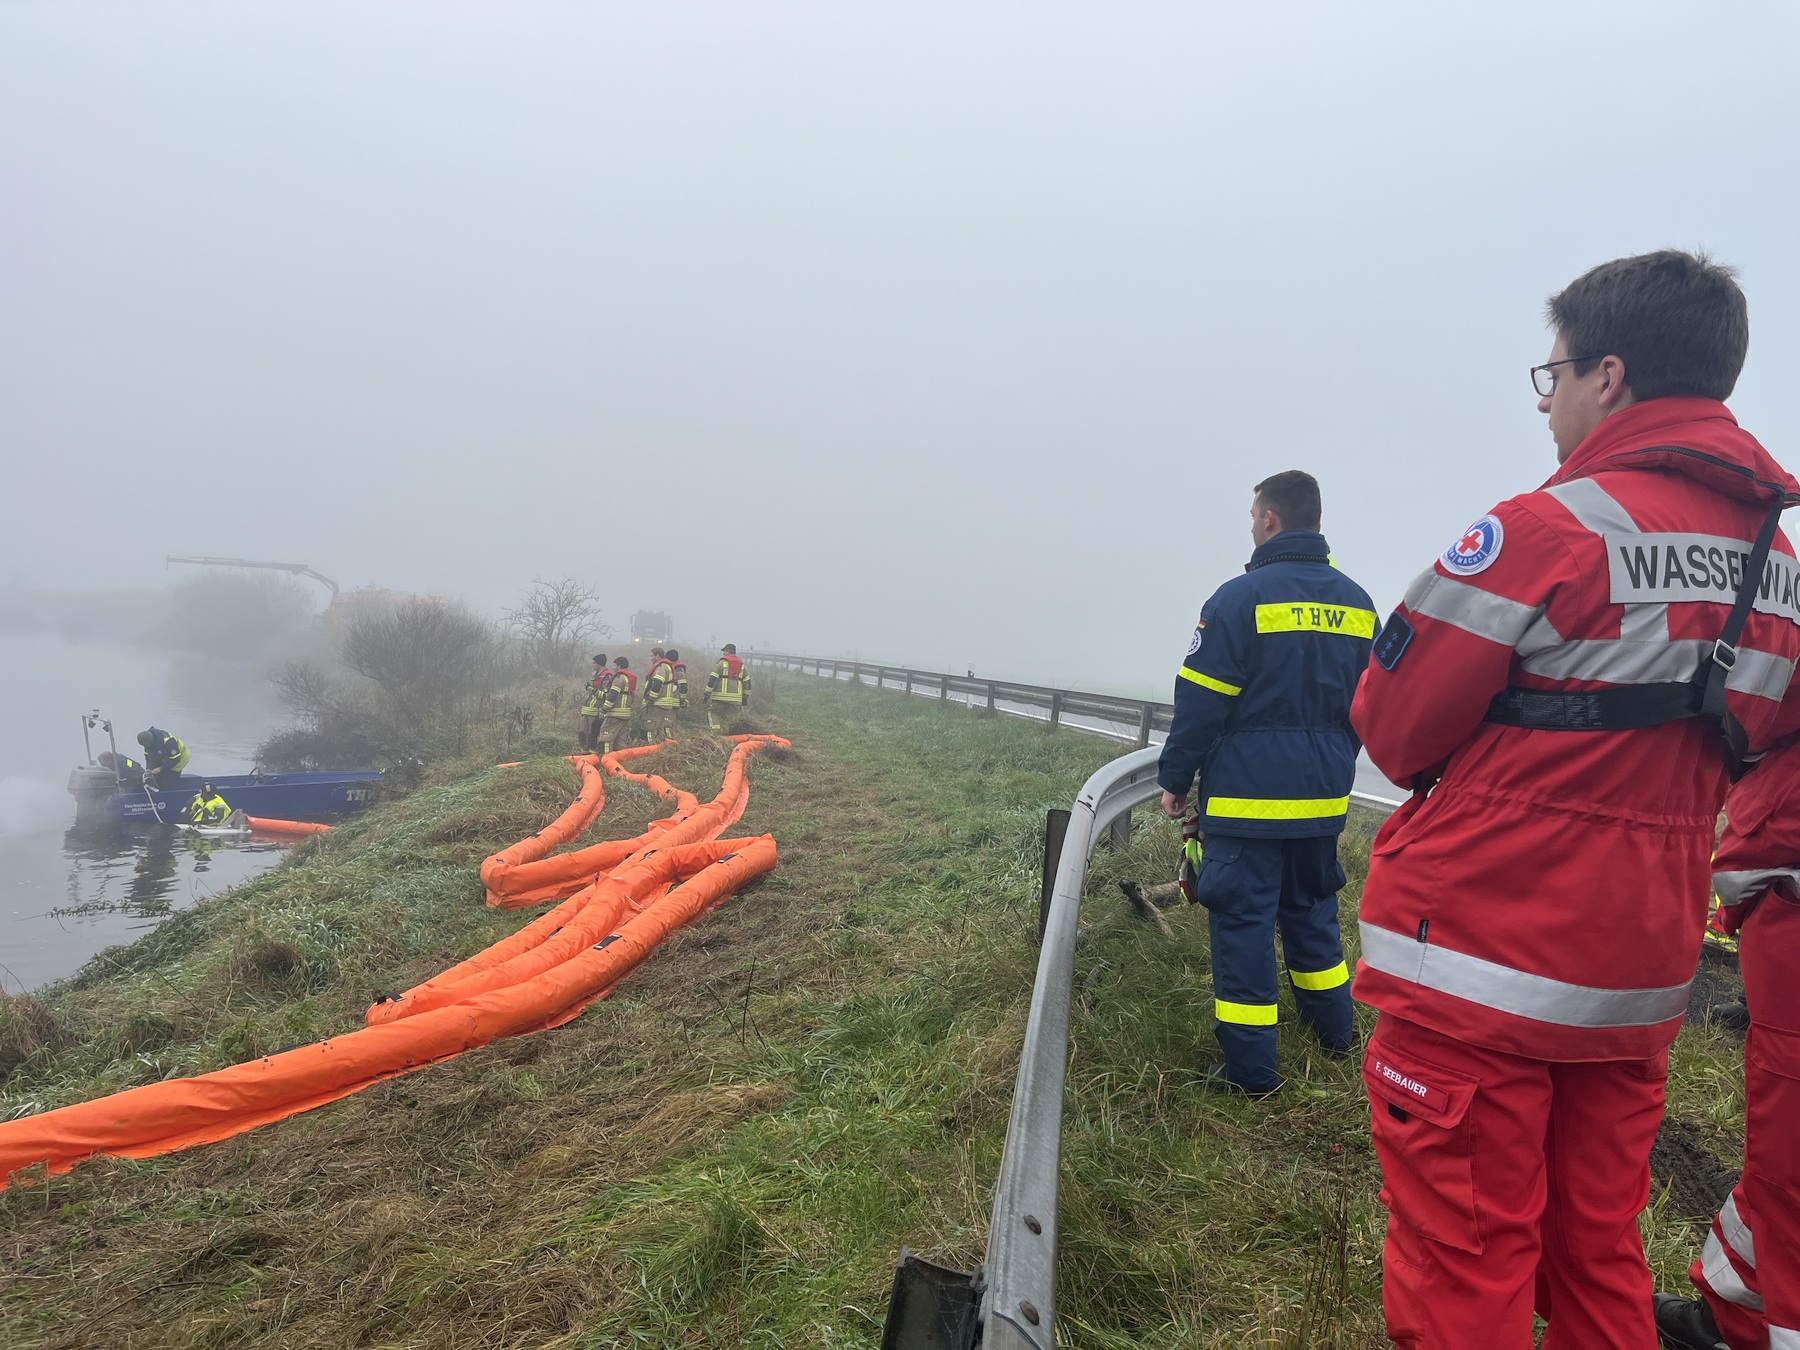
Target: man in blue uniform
1262,720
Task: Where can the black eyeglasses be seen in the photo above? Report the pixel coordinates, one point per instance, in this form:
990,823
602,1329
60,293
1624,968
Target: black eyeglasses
1543,378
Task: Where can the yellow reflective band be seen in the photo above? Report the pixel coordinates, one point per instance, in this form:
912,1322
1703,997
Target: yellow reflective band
1208,682
1301,616
1320,979
1245,1014
1277,808
1194,850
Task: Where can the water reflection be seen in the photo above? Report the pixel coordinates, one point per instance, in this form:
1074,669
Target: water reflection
110,886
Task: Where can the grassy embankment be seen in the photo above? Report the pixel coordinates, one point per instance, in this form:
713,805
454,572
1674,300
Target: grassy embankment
731,1150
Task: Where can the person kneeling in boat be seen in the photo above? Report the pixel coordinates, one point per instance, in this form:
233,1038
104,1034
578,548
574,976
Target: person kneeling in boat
208,807
165,757
126,769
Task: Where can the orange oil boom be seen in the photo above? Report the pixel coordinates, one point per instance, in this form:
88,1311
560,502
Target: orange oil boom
531,981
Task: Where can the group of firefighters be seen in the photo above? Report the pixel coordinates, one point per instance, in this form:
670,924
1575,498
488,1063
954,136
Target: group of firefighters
1572,692
610,701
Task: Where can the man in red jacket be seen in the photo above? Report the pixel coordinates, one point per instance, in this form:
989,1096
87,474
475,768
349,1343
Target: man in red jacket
1749,1271
1554,690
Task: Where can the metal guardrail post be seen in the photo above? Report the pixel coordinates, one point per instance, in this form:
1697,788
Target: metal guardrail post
909,682
1144,715
1056,829
943,689
990,687
1056,710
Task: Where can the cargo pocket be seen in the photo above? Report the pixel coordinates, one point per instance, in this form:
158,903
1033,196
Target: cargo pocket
1419,1115
1216,864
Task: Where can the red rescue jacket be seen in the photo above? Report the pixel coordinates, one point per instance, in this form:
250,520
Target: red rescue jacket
1546,899
1760,848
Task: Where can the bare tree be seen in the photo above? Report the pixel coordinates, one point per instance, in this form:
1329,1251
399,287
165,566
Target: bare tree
426,657
305,687
556,621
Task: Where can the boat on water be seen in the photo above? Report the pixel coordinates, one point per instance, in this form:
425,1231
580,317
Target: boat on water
285,796
102,796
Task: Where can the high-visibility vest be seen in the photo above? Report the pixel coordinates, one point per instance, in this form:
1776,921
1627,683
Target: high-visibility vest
619,690
659,685
728,682
204,810
169,753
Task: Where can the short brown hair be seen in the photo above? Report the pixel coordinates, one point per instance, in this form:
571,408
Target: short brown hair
1294,496
1677,320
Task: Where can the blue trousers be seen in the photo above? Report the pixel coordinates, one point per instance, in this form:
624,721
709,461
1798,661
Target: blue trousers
1251,888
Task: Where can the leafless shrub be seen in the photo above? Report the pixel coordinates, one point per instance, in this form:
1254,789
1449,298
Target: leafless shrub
305,688
425,657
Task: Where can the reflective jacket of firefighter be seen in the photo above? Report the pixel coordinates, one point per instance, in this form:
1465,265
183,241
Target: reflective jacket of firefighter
595,702
1532,916
207,808
659,684
681,683
729,681
615,700
1749,1270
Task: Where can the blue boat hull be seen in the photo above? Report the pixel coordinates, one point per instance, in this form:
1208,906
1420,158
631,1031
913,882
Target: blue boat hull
280,796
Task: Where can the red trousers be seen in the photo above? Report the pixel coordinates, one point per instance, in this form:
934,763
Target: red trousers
1512,1185
1749,1271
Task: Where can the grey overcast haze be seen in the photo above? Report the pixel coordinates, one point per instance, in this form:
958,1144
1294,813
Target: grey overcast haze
946,334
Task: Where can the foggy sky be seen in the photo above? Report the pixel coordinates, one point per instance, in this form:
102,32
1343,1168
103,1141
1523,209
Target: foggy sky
947,334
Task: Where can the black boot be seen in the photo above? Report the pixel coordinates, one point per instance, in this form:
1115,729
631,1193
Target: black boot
1731,1016
1685,1324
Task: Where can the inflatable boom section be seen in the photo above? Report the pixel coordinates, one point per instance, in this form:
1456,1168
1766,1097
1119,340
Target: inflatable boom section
539,977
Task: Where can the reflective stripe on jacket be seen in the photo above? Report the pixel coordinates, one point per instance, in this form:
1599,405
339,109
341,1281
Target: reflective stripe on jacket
207,810
1546,898
659,685
596,695
729,680
616,700
1262,702
170,752
1760,848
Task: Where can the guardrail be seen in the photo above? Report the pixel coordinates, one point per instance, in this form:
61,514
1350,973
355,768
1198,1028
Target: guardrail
1008,1302
1125,719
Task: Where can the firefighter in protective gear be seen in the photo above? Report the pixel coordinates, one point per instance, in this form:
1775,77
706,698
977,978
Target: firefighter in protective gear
660,700
1262,710
1540,690
728,686
165,757
1748,1273
593,704
616,706
681,679
207,808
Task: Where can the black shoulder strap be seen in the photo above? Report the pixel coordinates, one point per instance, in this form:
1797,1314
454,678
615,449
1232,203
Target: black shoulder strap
1718,666
1636,706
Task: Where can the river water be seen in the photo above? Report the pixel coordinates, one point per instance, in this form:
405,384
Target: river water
66,895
